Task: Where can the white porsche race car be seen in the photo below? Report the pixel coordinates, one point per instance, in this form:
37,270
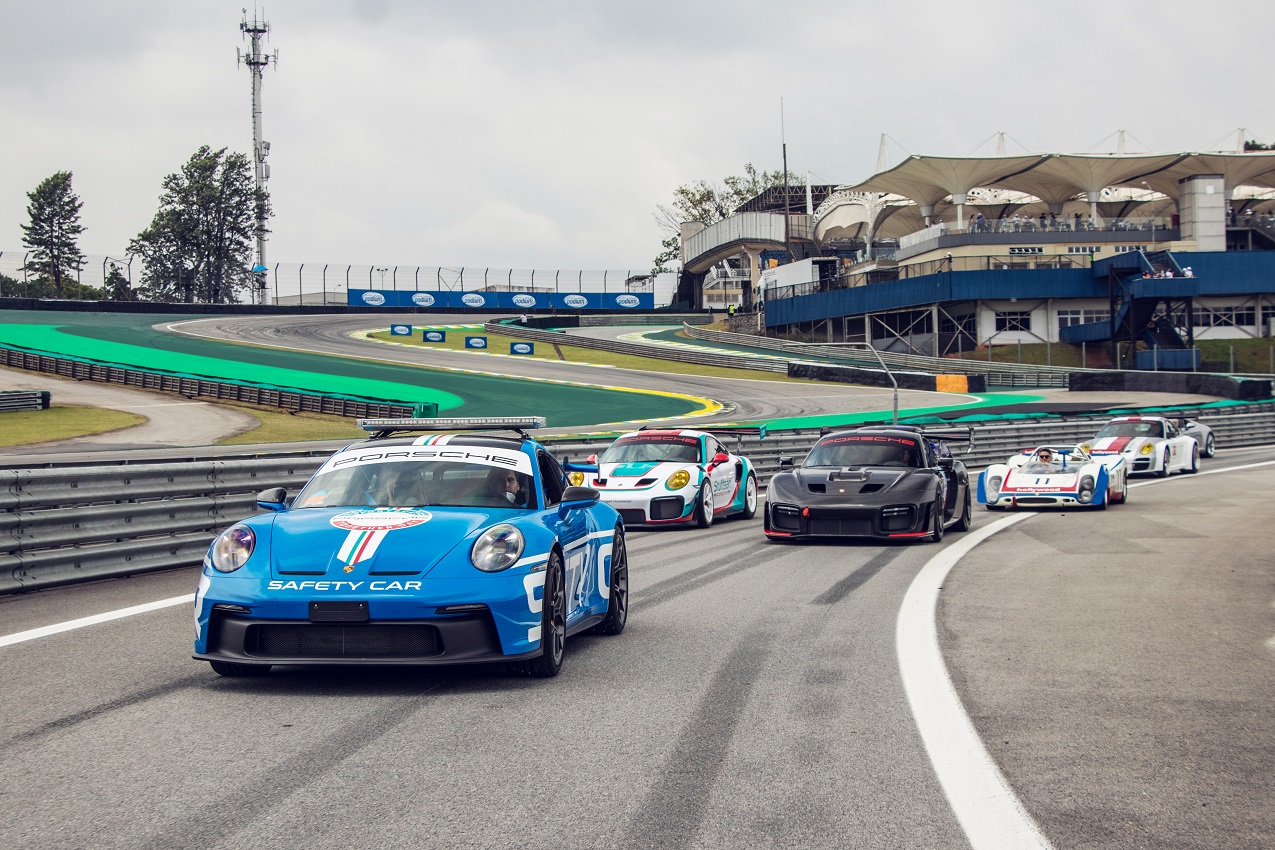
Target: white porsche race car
665,477
1149,444
1055,476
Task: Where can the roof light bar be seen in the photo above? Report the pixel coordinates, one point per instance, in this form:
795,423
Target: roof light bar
474,423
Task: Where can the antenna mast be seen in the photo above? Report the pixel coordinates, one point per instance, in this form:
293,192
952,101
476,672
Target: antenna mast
257,63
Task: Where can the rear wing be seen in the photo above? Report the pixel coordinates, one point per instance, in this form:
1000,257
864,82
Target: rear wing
739,432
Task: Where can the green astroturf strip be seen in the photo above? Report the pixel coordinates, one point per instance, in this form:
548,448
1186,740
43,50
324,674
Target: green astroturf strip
130,341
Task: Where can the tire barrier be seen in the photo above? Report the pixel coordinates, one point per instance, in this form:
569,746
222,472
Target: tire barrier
1225,386
66,523
877,378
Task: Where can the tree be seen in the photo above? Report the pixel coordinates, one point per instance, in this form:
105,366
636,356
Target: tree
708,203
116,287
54,231
1252,145
198,247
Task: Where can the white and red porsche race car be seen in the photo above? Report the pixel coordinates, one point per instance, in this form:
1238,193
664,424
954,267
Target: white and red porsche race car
664,477
1055,476
1149,444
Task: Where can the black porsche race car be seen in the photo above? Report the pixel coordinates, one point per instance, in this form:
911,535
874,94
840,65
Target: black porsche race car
883,481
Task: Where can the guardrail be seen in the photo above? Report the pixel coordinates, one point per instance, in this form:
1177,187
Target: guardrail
69,523
998,374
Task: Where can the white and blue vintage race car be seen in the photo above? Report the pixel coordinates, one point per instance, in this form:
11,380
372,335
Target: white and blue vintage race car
1055,476
439,549
1151,444
664,477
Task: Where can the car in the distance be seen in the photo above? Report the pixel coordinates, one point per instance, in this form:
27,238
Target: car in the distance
1202,433
1150,444
1055,476
449,548
883,481
661,476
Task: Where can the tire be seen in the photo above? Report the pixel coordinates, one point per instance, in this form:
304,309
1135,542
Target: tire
750,497
553,624
1163,472
936,524
1123,496
967,518
1195,461
618,606
704,506
235,670
1210,448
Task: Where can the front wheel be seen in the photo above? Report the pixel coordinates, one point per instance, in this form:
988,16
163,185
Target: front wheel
1195,461
704,506
936,526
1163,471
553,624
618,596
233,669
966,520
750,497
1210,448
1122,495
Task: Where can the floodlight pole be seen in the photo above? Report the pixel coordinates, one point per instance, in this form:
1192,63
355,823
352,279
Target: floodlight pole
257,63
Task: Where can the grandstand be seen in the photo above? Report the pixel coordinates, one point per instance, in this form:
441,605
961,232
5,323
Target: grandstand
1141,253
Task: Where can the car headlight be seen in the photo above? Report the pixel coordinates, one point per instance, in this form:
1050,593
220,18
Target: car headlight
1085,496
575,479
498,548
1087,449
678,480
1146,449
994,483
232,548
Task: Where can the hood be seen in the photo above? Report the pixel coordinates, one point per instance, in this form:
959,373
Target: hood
345,543
1119,445
630,470
858,480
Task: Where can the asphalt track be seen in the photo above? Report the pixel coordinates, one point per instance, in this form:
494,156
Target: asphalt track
1116,665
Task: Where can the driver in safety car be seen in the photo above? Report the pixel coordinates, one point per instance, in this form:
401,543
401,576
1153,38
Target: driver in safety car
505,485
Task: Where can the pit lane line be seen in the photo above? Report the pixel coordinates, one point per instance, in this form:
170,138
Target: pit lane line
986,807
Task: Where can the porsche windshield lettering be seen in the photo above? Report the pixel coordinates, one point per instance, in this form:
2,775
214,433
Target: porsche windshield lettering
431,454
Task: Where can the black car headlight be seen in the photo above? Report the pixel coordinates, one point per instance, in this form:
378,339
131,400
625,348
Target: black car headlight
232,548
498,548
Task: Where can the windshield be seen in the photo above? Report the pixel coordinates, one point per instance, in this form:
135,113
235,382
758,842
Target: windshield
1154,430
875,450
416,483
640,448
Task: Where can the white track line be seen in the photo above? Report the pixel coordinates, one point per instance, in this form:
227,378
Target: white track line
986,807
45,631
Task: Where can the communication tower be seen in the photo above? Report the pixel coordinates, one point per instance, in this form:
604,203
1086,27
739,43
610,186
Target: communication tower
257,63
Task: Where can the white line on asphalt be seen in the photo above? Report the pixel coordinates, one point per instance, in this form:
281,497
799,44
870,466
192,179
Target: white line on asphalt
45,631
981,798
986,807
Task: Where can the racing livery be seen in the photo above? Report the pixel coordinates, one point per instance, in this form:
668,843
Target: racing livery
885,481
441,549
1150,444
665,477
1060,476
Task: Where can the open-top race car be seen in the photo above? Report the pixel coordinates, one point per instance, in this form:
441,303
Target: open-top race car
1045,476
439,549
663,477
883,481
1148,443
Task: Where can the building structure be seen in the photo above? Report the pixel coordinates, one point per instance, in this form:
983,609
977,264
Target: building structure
941,255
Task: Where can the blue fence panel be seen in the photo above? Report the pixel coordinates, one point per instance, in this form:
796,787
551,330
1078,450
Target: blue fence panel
538,301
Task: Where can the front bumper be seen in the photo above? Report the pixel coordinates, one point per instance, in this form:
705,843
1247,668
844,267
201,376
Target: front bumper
888,521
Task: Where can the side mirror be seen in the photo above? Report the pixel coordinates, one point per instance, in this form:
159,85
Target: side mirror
946,462
574,498
274,499
785,461
591,459
718,460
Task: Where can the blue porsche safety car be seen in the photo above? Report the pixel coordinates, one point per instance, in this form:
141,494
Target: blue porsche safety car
438,549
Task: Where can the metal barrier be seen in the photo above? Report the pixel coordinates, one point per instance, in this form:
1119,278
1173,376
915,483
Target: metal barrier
69,523
14,400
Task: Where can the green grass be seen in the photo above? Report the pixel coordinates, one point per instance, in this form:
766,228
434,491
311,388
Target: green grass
281,427
499,344
60,422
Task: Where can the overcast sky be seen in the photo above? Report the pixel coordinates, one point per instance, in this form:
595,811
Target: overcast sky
543,134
